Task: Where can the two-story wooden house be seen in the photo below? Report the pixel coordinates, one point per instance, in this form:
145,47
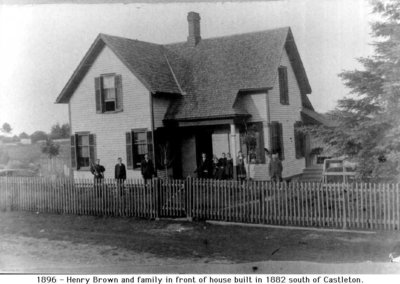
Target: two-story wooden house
175,101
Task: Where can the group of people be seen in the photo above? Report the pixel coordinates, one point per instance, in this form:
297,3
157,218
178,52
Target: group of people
222,168
146,166
217,168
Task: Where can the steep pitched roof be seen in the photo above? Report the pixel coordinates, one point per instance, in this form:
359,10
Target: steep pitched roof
221,67
208,76
147,61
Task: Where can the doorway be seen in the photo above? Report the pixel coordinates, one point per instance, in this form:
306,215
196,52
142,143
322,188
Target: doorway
203,144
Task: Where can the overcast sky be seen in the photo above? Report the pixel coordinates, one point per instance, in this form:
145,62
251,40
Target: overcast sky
41,45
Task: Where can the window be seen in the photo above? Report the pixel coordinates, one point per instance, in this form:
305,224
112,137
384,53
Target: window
299,141
252,142
108,93
283,85
138,143
83,150
276,135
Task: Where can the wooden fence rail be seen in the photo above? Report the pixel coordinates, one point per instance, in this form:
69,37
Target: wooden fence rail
358,206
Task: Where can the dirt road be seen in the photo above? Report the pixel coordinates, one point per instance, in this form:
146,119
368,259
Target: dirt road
48,243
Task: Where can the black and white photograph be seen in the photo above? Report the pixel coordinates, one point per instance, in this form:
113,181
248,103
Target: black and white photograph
243,141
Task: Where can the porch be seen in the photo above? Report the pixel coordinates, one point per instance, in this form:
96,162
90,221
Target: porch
185,141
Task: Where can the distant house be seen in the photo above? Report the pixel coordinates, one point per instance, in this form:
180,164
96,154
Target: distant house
25,141
129,97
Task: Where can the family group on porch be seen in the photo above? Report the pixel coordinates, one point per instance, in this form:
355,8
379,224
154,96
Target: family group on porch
217,168
222,168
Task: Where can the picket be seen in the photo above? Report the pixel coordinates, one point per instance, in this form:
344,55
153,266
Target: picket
359,206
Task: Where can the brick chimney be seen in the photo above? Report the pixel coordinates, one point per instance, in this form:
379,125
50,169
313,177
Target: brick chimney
194,29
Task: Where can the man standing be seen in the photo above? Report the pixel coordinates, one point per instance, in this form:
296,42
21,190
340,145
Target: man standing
97,170
204,169
120,170
275,168
147,168
120,175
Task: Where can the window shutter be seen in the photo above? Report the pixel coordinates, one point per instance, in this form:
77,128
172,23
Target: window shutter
150,145
299,141
283,85
118,91
129,152
99,95
280,131
92,147
274,136
74,162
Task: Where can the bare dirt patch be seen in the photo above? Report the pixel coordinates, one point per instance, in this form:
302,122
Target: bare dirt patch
42,243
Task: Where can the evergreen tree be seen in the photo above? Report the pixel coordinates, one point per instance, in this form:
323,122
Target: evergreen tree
368,118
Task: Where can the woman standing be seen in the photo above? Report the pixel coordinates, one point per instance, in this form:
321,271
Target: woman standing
215,167
229,166
241,168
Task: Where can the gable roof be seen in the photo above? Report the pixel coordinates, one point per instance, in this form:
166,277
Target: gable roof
219,68
147,61
208,76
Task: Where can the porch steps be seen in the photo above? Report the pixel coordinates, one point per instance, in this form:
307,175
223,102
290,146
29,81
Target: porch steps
312,174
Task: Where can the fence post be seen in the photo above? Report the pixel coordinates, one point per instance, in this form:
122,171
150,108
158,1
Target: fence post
189,198
344,206
156,189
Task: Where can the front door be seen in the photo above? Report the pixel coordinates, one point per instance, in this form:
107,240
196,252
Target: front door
203,144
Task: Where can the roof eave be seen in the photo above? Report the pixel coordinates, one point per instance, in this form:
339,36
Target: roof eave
297,63
80,70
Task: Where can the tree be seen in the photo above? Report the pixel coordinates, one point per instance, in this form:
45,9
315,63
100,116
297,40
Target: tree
38,135
6,128
59,132
368,118
50,148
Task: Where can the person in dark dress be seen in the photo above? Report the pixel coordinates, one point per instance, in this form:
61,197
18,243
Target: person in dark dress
215,167
120,175
229,166
204,168
221,167
147,168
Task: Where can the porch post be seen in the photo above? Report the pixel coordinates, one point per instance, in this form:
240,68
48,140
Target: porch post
233,149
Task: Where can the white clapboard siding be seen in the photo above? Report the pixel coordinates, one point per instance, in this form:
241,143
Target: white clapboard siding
110,128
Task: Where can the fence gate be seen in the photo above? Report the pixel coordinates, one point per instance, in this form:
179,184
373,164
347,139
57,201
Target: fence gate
172,198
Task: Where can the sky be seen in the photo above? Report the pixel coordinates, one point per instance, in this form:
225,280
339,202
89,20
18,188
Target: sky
41,45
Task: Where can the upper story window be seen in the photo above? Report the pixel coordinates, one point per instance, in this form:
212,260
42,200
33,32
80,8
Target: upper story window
108,93
283,85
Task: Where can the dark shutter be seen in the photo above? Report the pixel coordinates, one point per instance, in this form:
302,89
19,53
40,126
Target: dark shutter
260,143
99,95
150,145
92,147
74,162
283,85
281,152
276,136
118,92
129,152
299,141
